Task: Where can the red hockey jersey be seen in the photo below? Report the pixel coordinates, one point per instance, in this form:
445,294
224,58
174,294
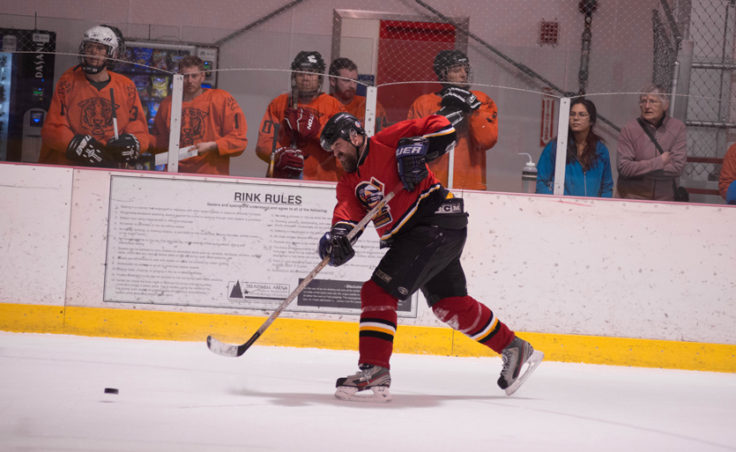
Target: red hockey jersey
377,175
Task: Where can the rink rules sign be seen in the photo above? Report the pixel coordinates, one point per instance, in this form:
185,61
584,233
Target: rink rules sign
320,293
227,244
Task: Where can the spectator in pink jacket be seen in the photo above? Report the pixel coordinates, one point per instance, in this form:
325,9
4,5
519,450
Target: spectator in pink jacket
648,171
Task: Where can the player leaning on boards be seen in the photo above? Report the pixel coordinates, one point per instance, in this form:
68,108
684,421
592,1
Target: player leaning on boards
289,135
473,113
211,121
425,228
95,117
343,87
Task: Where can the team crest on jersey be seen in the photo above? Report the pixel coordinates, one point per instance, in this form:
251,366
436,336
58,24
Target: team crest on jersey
96,115
192,125
370,194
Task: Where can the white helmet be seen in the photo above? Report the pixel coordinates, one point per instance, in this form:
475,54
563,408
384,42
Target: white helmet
106,35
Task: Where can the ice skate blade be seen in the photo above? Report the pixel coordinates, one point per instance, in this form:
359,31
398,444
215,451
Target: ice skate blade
531,364
376,394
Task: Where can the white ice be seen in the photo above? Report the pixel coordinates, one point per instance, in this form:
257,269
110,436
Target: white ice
178,396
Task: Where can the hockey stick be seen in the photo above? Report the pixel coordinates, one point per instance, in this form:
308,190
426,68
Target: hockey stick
114,115
235,350
293,103
115,123
184,153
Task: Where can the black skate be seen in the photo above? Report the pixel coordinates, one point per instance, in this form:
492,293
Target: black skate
518,353
375,378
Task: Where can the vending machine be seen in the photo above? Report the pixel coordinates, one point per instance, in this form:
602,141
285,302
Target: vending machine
26,85
151,64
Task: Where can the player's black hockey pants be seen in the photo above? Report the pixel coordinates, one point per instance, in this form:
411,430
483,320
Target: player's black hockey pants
428,258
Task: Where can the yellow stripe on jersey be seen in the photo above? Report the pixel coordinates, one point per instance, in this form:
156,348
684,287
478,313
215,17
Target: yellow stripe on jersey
410,213
440,133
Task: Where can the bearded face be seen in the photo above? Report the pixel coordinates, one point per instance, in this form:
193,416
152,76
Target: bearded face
346,85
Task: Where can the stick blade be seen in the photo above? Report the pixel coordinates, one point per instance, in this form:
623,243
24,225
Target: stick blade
221,348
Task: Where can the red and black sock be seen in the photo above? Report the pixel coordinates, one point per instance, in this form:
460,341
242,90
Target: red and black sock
377,325
475,320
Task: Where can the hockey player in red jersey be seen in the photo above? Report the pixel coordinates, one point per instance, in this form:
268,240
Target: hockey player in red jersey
79,128
474,115
212,121
425,228
289,135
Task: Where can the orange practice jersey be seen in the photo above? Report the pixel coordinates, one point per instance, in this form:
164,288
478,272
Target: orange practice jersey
318,164
78,108
728,171
356,107
480,135
215,116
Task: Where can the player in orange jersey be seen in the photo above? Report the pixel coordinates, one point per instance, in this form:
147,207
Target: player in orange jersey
343,85
95,117
727,179
211,120
473,114
289,135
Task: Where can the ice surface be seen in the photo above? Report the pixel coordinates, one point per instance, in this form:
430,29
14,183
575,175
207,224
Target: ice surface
178,396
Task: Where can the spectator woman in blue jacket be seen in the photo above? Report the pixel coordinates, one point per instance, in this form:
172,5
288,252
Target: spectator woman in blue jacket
588,168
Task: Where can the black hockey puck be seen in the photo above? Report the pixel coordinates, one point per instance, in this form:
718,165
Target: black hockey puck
111,390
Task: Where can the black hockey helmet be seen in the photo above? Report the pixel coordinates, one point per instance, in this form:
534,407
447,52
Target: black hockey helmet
308,61
448,58
339,126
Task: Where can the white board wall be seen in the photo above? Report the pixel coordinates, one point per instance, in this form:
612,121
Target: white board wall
556,265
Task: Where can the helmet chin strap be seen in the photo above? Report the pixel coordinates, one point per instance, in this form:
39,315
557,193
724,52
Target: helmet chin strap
308,95
90,69
361,148
446,84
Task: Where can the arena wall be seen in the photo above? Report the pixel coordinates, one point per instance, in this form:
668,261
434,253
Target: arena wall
592,280
250,62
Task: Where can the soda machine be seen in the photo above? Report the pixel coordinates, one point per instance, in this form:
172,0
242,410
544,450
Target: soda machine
150,64
26,85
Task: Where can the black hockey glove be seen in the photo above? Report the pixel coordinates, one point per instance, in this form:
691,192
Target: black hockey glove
336,245
126,148
456,117
459,99
411,159
87,150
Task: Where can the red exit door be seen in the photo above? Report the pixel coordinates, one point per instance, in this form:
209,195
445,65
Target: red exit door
406,51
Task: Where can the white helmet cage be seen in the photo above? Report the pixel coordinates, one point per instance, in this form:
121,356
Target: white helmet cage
110,37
